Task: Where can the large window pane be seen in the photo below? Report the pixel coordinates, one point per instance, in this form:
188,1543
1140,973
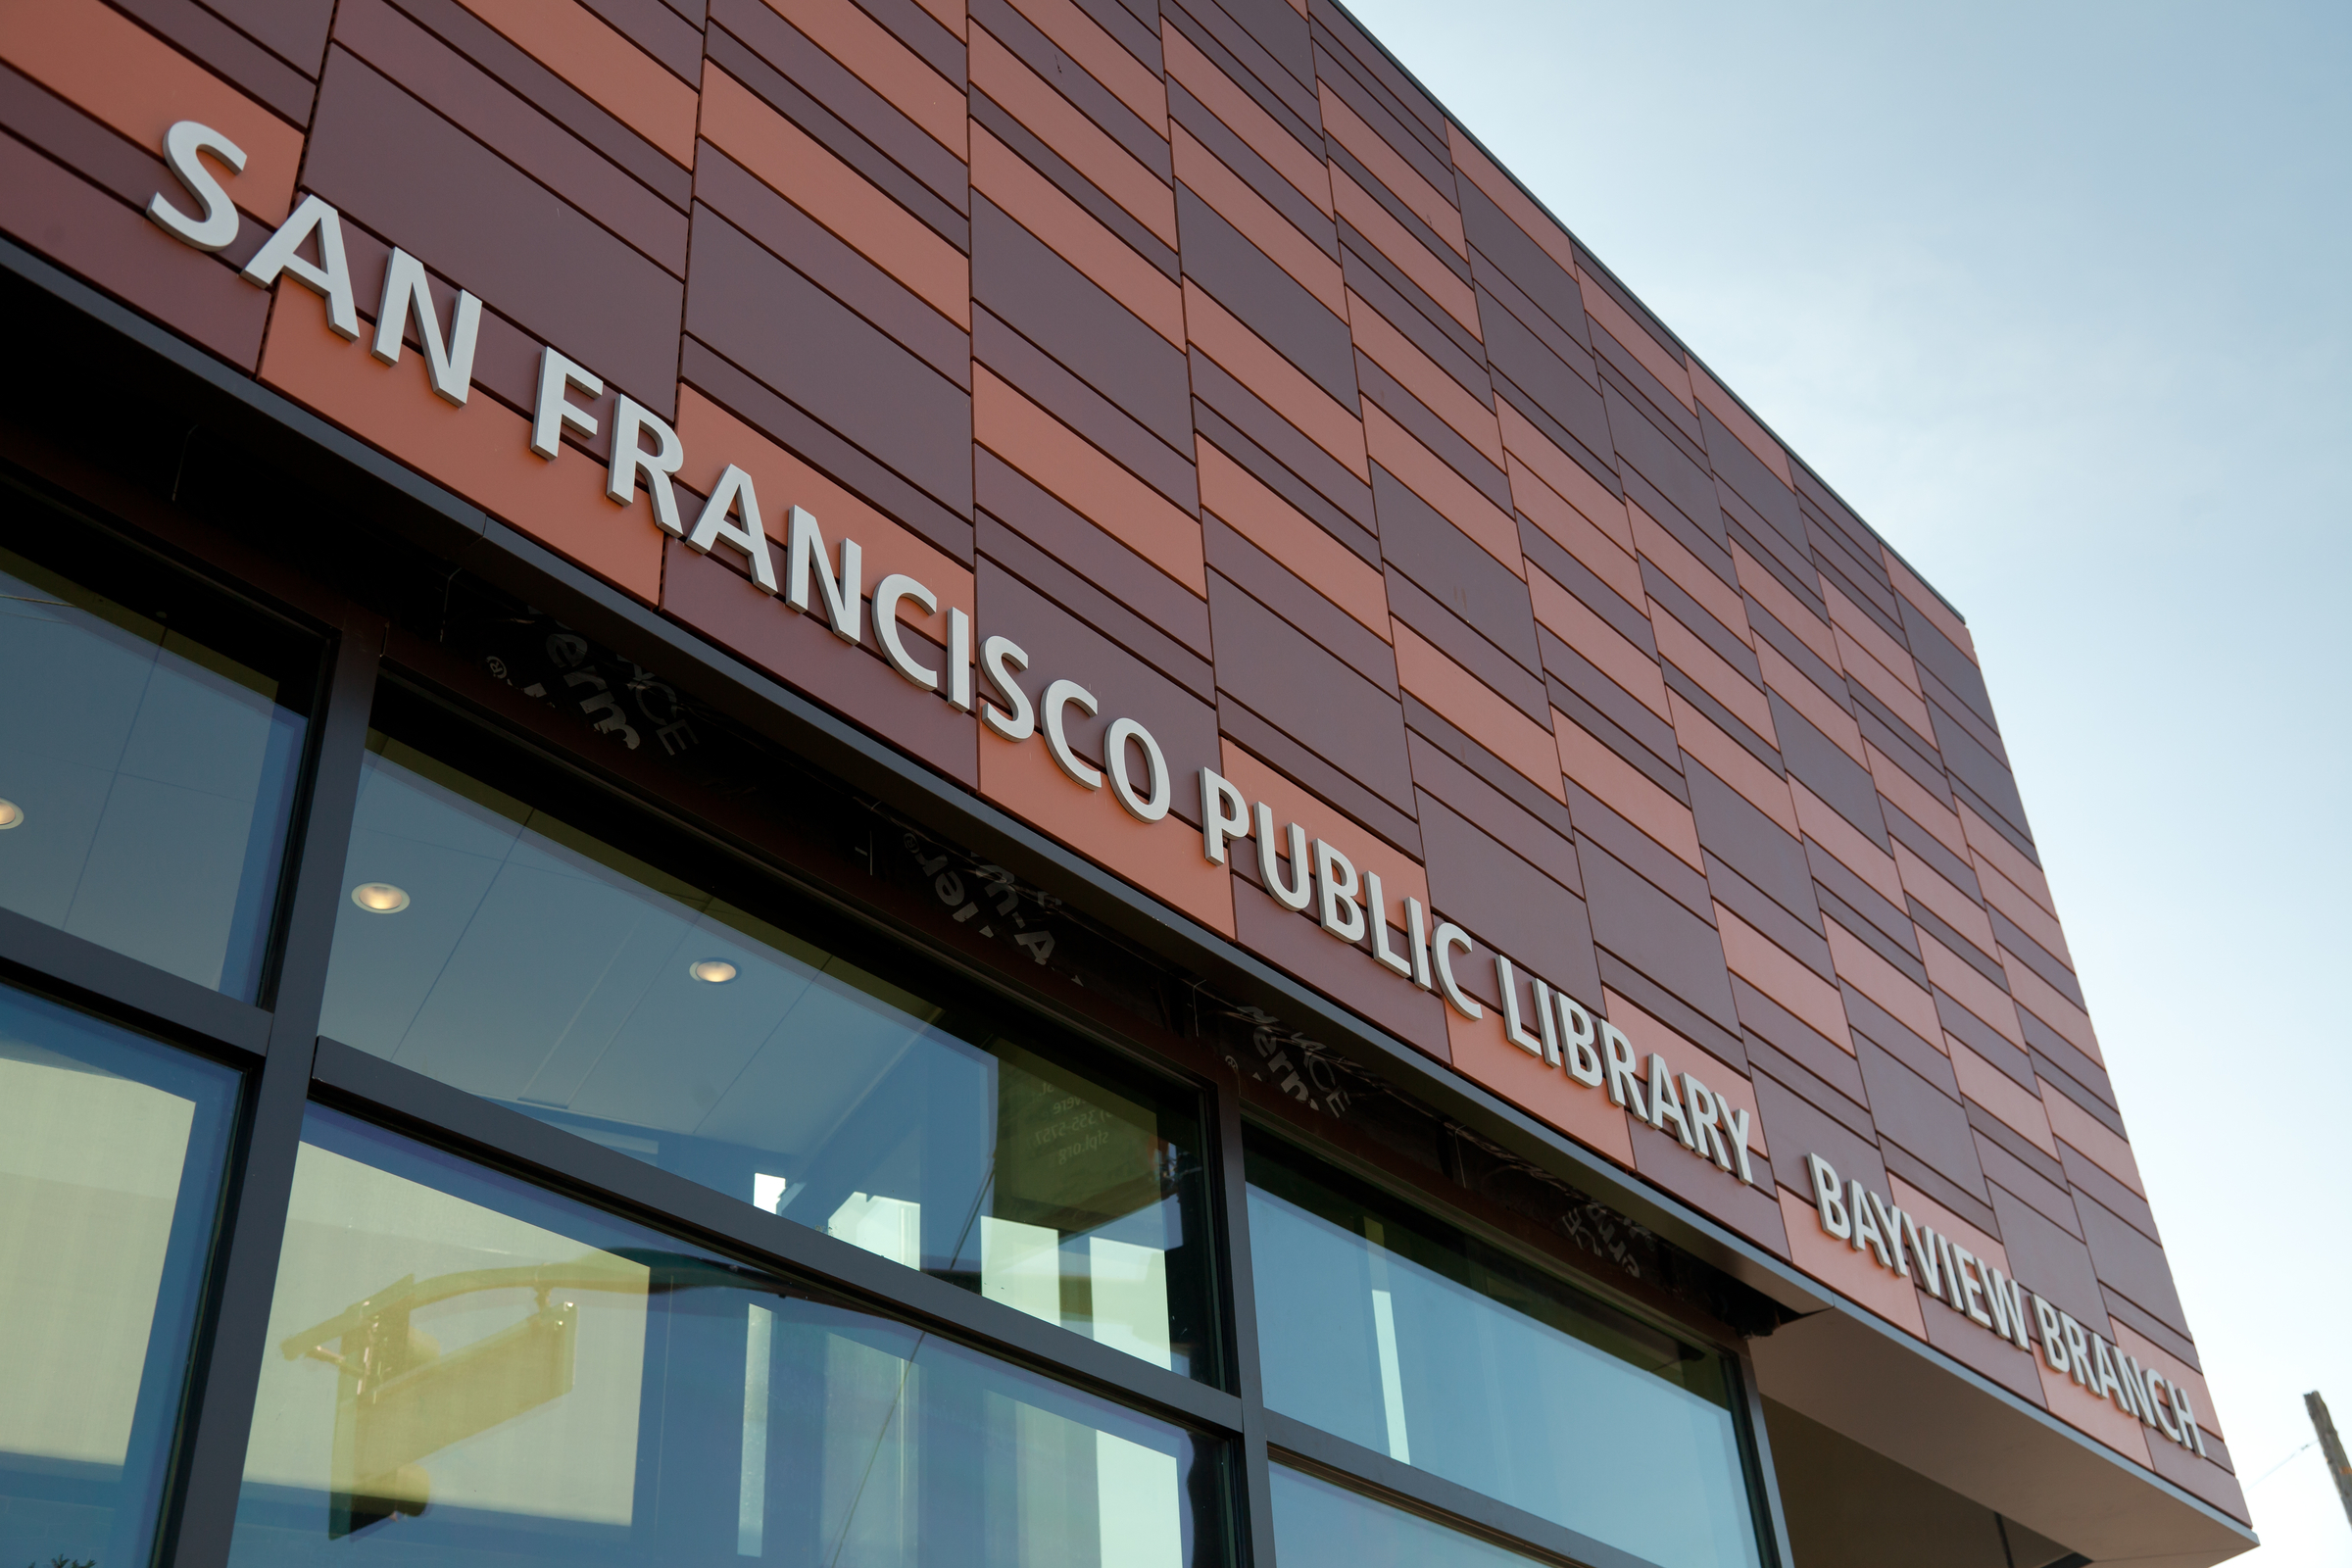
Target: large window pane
467,1370
1383,1325
111,1159
499,937
148,753
1317,1525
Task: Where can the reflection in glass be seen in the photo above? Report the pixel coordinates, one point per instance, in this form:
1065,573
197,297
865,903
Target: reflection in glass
148,758
1317,1525
466,1370
110,1157
775,1055
1389,1328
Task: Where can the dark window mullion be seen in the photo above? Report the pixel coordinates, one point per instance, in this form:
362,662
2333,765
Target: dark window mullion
1256,1523
1762,1479
1370,1471
421,1107
83,972
228,1367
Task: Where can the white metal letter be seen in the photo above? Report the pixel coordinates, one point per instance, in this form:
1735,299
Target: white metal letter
959,661
1224,814
1336,880
1269,868
1506,979
1143,808
631,420
1577,1032
1448,938
887,595
1829,1200
843,605
217,228
734,492
1060,694
328,277
1376,916
1015,720
406,292
553,411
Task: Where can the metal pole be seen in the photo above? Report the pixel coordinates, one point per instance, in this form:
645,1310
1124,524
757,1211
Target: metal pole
2332,1446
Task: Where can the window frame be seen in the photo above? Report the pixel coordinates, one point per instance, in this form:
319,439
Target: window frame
737,859
287,1065
1304,1445
294,607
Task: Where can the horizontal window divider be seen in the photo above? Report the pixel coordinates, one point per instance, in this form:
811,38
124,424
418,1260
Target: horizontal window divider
1764,1481
1353,1465
354,1079
1257,1525
85,974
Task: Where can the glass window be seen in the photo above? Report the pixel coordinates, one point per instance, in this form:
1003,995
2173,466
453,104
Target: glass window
466,1370
1317,1525
683,1009
1387,1326
111,1149
149,749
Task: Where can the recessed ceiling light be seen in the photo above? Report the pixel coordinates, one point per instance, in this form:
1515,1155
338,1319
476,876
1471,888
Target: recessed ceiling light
11,814
379,898
713,971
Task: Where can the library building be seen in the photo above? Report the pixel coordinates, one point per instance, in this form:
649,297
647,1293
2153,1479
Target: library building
984,784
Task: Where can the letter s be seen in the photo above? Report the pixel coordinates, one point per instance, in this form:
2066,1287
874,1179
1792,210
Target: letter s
217,228
1017,721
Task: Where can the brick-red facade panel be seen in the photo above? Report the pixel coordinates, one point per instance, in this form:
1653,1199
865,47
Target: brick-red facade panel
1568,532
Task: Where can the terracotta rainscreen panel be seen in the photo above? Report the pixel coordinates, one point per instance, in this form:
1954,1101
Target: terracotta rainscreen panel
1194,349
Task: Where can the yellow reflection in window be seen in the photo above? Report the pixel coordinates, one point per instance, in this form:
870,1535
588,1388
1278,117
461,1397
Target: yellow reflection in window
89,1174
430,1352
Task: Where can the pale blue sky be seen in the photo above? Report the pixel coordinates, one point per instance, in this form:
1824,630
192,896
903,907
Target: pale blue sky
2056,296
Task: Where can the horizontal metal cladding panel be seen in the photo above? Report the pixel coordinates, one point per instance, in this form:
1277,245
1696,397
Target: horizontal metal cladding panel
1249,130
1456,572
1277,221
1238,560
659,28
408,173
1269,300
760,406
833,265
1279,80
1106,84
1060,645
203,35
1053,388
1403,305
1281,674
1003,547
481,105
910,65
1282,457
841,104
1049,302
824,357
1203,357
295,31
1141,280
86,229
1099,558
553,95
1534,827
